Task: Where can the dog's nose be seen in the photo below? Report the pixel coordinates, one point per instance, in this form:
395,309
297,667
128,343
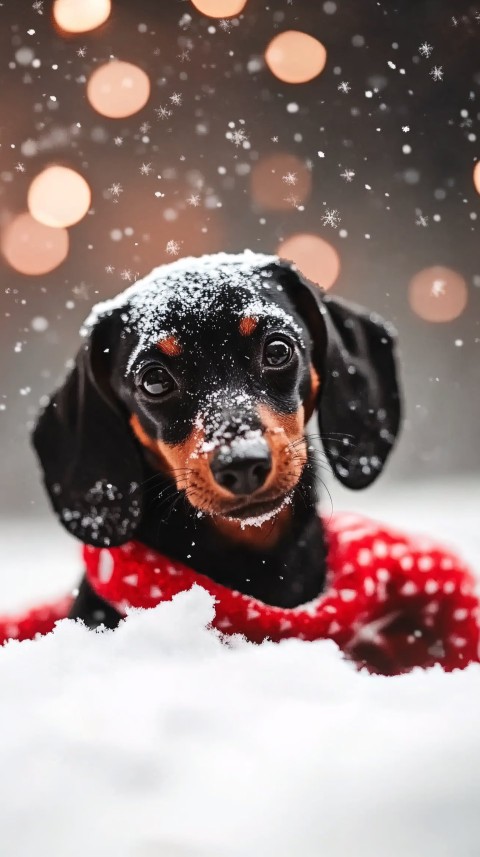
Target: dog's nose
243,466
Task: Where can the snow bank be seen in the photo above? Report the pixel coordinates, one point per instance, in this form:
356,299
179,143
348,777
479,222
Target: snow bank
158,740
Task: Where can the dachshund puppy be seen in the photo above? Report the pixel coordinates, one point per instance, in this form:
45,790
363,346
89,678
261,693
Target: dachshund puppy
183,422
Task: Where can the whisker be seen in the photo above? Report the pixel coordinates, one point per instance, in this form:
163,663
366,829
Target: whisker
163,476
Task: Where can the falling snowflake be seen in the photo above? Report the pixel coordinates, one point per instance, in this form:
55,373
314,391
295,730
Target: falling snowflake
145,169
145,127
116,189
126,274
438,288
344,87
194,199
292,199
454,21
348,175
274,139
437,72
162,112
20,168
118,141
109,269
37,7
405,129
225,25
172,248
238,136
477,17
331,218
290,178
176,98
81,52
421,220
81,291
184,56
425,49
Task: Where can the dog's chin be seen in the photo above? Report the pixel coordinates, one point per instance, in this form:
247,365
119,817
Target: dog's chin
255,514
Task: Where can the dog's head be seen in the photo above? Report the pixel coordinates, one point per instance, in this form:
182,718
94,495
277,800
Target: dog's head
210,368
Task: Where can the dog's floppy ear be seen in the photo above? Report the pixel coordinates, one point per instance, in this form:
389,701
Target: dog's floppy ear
91,465
359,403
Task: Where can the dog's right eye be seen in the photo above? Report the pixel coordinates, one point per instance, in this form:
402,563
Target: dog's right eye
156,381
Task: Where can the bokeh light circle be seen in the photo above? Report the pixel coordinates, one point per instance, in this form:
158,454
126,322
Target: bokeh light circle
295,57
80,16
31,247
313,256
279,182
58,196
219,8
476,176
118,89
438,294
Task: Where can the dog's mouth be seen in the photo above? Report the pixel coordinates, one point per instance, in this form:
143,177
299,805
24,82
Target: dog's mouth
257,513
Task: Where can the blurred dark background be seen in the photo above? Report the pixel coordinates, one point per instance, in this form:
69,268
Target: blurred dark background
411,203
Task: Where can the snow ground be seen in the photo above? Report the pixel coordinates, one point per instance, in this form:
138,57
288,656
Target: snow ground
159,741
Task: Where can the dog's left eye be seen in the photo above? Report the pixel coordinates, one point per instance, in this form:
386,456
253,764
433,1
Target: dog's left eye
156,381
277,353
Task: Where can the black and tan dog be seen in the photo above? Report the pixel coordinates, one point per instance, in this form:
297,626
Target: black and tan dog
182,424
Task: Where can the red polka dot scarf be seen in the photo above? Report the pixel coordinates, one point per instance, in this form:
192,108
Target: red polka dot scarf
391,602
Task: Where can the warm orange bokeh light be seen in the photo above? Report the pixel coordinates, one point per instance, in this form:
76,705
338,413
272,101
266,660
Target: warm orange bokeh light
79,16
32,248
219,8
476,176
438,294
59,196
295,57
313,256
118,89
279,182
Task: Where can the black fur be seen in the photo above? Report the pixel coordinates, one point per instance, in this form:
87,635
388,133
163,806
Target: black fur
106,488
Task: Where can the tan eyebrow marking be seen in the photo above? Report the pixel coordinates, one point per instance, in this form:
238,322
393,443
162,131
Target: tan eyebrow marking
170,346
248,325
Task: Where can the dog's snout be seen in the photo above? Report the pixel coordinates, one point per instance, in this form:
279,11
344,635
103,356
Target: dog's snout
243,466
